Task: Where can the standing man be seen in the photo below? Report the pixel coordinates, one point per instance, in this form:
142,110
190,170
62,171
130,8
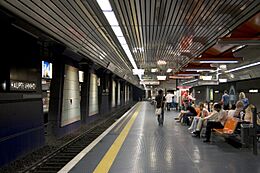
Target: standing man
225,100
169,100
160,99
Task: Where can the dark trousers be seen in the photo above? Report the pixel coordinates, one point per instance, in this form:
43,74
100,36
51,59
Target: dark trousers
186,117
161,117
210,126
226,107
169,106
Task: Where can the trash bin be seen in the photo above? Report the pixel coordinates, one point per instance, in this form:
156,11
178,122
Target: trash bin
247,135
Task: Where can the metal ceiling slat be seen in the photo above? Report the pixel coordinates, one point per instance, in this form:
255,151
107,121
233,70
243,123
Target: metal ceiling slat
111,54
231,26
134,28
34,14
18,9
216,21
76,11
141,35
167,27
209,12
187,8
99,41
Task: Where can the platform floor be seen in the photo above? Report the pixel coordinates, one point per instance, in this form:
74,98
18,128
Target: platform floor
149,148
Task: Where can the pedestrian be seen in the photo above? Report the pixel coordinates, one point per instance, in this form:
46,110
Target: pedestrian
160,99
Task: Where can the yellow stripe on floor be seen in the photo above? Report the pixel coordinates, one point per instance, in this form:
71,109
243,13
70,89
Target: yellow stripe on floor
107,161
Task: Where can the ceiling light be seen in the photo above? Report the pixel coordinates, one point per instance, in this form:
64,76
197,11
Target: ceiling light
198,69
110,15
223,66
242,67
117,30
122,40
169,70
217,61
153,70
104,5
191,81
222,80
161,62
138,71
206,77
238,48
253,90
161,77
136,49
180,77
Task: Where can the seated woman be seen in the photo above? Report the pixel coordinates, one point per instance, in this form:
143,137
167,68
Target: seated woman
248,118
237,112
202,113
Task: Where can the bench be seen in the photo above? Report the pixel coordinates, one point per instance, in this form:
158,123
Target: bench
229,127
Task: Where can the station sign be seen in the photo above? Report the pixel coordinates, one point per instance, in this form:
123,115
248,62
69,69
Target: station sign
22,86
150,82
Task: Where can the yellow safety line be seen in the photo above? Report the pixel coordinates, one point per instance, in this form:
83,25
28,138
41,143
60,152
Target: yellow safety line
107,161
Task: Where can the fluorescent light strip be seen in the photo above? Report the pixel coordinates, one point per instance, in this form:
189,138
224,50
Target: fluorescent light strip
218,62
104,5
190,81
253,90
111,18
169,70
242,67
198,69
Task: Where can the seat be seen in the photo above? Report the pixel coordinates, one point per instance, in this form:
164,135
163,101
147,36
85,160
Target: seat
229,127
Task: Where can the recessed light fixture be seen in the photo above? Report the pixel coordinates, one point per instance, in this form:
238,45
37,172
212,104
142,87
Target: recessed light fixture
253,90
161,77
222,80
153,70
169,70
161,62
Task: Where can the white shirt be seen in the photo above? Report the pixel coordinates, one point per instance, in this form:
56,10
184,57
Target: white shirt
169,97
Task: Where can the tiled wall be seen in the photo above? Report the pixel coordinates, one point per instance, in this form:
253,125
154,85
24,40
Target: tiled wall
113,93
93,95
71,96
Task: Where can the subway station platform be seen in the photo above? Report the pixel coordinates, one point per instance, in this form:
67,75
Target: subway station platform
137,144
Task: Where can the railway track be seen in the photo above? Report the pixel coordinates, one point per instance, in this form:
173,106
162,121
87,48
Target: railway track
56,160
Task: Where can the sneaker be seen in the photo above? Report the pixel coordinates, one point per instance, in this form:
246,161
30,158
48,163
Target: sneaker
189,128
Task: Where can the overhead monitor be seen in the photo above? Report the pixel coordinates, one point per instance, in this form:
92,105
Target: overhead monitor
46,70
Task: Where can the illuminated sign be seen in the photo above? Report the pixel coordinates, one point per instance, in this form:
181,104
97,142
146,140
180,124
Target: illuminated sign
46,70
150,82
22,86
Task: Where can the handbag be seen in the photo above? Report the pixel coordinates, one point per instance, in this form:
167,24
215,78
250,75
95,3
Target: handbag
158,111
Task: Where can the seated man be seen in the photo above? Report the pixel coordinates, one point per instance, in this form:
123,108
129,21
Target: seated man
213,116
219,122
191,112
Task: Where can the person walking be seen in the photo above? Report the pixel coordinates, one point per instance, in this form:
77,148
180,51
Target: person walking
160,99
